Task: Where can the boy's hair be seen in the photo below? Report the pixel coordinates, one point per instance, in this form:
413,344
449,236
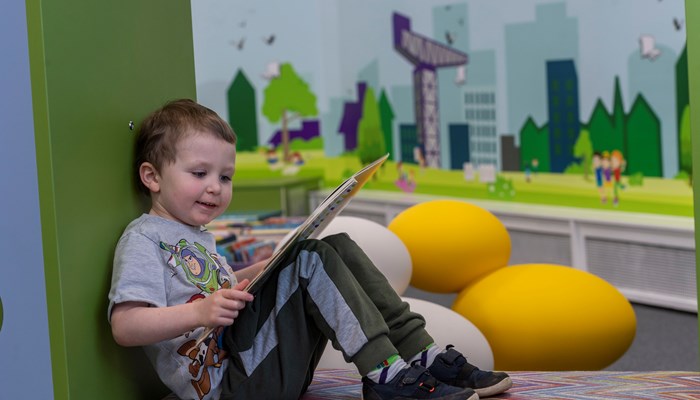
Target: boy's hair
162,129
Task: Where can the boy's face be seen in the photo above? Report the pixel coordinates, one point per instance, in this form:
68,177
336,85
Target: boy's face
196,188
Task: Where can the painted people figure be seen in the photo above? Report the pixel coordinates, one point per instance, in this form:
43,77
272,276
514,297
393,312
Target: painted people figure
597,164
607,170
618,164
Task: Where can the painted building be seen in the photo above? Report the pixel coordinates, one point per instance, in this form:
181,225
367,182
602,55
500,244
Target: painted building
563,115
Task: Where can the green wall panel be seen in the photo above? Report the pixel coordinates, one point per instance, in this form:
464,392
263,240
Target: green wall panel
96,66
692,17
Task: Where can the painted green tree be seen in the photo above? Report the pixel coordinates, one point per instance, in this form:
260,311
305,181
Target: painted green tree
386,113
601,128
618,116
683,118
242,112
534,145
370,138
583,150
287,98
643,140
686,158
608,129
682,89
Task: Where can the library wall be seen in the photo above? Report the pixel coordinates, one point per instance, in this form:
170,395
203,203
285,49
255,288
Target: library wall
572,103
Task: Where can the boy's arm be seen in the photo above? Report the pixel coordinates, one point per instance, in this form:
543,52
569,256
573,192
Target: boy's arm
138,324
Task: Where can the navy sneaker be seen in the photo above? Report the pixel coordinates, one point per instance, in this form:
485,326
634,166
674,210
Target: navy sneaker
414,382
452,368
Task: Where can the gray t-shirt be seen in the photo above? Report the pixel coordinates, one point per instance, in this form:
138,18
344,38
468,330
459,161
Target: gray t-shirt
165,263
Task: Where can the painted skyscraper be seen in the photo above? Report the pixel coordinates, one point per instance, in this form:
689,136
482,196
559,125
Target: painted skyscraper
471,100
529,45
480,108
563,117
451,27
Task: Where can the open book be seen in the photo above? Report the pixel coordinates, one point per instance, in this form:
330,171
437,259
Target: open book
314,224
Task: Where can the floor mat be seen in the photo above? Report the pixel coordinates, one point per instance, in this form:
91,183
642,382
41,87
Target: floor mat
587,385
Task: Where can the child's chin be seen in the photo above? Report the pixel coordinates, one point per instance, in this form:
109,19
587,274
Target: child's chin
199,220
205,219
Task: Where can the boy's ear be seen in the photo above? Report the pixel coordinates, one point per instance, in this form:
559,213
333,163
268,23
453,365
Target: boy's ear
149,176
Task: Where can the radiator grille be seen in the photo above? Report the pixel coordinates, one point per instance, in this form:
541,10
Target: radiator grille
646,267
539,247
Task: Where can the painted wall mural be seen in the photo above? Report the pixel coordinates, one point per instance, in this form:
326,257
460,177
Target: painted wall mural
579,103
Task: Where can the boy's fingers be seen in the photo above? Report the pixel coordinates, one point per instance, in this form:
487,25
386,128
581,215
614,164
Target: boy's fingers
242,284
237,292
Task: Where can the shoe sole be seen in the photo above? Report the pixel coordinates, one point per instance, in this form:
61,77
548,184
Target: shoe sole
472,397
500,387
475,396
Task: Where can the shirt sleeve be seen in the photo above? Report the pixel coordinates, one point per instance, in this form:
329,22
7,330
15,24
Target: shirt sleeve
138,272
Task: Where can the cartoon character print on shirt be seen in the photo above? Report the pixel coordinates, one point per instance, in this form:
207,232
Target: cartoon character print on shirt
201,267
204,270
206,354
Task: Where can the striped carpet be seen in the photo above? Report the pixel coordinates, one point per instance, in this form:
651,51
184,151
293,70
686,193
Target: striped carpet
334,384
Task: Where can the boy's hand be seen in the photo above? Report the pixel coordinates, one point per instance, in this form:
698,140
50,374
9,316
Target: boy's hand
222,307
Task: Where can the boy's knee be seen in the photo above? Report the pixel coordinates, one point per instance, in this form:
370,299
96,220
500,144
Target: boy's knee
338,240
337,236
315,245
317,253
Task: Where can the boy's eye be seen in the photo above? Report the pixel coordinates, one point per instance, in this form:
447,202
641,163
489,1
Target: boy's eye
199,174
225,178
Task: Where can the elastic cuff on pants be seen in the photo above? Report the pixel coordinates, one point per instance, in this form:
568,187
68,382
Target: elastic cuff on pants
373,353
414,343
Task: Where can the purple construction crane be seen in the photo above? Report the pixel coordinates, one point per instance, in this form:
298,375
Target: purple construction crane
426,55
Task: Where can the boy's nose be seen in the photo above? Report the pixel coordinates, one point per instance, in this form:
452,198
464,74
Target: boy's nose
214,186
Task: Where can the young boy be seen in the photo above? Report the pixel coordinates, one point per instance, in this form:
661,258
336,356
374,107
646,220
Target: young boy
168,283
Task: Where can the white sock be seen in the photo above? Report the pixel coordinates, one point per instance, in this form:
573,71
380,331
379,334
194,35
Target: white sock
426,357
387,369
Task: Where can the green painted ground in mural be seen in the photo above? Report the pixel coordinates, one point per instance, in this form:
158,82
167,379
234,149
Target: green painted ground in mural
654,196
